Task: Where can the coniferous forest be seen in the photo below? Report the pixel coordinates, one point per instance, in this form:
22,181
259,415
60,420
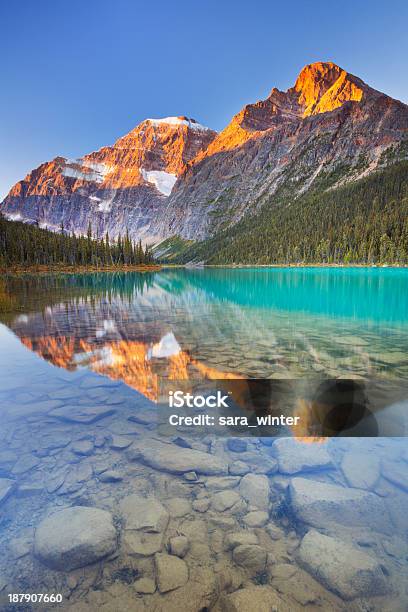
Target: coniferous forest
362,222
22,244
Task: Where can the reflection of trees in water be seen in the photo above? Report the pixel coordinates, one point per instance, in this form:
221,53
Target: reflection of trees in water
38,291
7,302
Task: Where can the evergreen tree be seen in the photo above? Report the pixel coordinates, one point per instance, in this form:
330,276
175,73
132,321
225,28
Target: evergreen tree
24,244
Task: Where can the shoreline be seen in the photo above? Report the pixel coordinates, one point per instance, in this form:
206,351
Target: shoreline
291,265
62,269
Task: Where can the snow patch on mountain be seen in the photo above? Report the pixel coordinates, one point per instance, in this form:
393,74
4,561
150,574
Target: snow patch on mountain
105,205
13,216
85,170
179,121
163,181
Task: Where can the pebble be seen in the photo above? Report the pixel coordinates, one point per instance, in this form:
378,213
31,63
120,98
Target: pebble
238,468
120,442
256,519
224,500
250,556
83,447
172,572
110,476
191,476
201,505
179,545
236,445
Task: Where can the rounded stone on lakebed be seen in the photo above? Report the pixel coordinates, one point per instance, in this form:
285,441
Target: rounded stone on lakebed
172,572
236,445
75,537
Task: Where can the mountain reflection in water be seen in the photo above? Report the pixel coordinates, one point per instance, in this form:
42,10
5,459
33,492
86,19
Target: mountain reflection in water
216,323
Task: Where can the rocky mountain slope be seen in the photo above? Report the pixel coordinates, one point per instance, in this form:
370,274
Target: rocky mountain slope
329,119
120,187
330,128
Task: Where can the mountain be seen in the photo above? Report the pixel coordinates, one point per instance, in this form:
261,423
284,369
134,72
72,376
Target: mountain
289,152
120,187
329,121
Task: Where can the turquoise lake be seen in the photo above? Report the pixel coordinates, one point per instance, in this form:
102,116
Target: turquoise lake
254,322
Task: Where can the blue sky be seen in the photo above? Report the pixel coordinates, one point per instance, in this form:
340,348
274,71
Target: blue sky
76,75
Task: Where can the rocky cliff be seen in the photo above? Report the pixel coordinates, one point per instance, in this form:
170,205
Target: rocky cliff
173,177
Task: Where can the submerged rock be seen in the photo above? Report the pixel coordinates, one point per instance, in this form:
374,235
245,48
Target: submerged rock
258,465
251,557
255,599
191,476
56,481
201,505
361,470
257,518
224,500
120,442
239,538
341,567
327,506
294,456
20,547
142,543
274,532
145,513
397,473
172,458
75,537
171,571
53,441
237,445
7,460
254,488
81,414
83,447
144,585
179,545
178,506
220,483
110,476
6,488
283,571
238,468
24,464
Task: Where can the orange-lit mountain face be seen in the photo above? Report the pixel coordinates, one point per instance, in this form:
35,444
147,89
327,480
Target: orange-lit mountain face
116,188
328,120
319,88
323,87
294,138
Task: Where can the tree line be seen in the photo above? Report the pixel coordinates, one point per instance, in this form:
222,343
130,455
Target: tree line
26,245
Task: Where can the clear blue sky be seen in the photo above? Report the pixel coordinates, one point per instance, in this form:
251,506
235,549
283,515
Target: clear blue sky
76,75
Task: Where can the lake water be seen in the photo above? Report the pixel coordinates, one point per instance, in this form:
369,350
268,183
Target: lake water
82,358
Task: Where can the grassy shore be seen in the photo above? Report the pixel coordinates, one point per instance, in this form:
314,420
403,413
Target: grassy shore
65,269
